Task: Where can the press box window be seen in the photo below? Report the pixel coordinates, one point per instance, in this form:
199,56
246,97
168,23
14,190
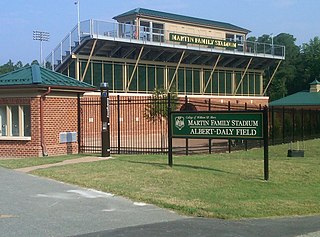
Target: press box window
15,121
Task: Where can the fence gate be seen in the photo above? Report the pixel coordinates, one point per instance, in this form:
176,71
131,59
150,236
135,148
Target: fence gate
90,125
131,132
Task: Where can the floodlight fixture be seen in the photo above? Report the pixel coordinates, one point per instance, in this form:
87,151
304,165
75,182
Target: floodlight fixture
41,36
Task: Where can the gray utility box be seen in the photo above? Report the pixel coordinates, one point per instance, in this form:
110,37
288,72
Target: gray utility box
295,153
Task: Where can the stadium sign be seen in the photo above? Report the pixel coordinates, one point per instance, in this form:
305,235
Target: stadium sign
188,39
234,125
243,125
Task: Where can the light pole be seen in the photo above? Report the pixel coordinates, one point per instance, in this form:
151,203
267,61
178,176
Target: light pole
272,48
41,36
78,11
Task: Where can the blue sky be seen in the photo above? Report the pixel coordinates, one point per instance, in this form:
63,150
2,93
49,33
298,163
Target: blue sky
18,19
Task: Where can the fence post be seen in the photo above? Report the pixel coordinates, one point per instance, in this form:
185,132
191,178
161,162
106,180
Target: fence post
105,119
169,132
229,140
302,125
246,141
118,118
272,124
79,123
266,143
293,125
310,127
260,108
210,147
283,128
187,139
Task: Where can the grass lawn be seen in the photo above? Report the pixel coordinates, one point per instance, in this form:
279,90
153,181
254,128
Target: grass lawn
217,185
27,162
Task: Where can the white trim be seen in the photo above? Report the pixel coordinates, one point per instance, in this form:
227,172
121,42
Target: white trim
189,96
228,97
7,138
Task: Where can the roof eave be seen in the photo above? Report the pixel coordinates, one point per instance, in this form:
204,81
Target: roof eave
53,87
139,14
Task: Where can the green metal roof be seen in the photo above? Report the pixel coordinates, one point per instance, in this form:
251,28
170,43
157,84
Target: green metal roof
303,98
39,76
315,82
176,17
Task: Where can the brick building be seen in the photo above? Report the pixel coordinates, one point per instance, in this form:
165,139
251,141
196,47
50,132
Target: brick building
39,112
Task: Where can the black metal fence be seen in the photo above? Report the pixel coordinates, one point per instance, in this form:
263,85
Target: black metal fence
292,124
138,125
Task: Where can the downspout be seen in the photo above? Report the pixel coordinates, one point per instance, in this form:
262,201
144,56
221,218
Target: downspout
43,145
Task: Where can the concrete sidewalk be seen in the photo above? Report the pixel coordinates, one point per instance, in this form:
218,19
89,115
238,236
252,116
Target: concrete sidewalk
65,162
35,206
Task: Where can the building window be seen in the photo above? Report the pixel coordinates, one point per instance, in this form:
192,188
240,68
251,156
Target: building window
157,32
15,121
145,30
235,38
230,37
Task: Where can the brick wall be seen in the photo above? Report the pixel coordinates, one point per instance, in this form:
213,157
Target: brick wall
21,149
60,115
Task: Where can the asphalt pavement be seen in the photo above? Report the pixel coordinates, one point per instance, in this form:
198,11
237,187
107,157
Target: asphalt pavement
35,206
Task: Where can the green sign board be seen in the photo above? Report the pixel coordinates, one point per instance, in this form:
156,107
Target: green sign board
188,39
233,125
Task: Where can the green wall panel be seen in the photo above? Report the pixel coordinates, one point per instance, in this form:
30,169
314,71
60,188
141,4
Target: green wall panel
160,77
228,83
215,83
97,74
151,78
196,81
206,75
142,80
118,77
189,81
257,84
87,78
222,83
251,84
134,84
108,74
72,69
238,79
181,83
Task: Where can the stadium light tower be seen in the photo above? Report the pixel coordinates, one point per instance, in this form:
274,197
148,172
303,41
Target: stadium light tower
78,11
272,47
41,36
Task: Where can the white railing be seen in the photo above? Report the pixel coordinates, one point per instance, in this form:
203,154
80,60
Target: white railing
113,30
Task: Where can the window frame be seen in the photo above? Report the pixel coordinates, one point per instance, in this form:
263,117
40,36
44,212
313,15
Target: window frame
8,110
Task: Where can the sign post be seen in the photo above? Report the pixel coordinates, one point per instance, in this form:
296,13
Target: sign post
105,119
244,125
170,160
266,143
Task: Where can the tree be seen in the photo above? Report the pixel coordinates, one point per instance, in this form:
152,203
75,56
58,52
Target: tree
310,61
157,109
287,72
284,80
8,67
